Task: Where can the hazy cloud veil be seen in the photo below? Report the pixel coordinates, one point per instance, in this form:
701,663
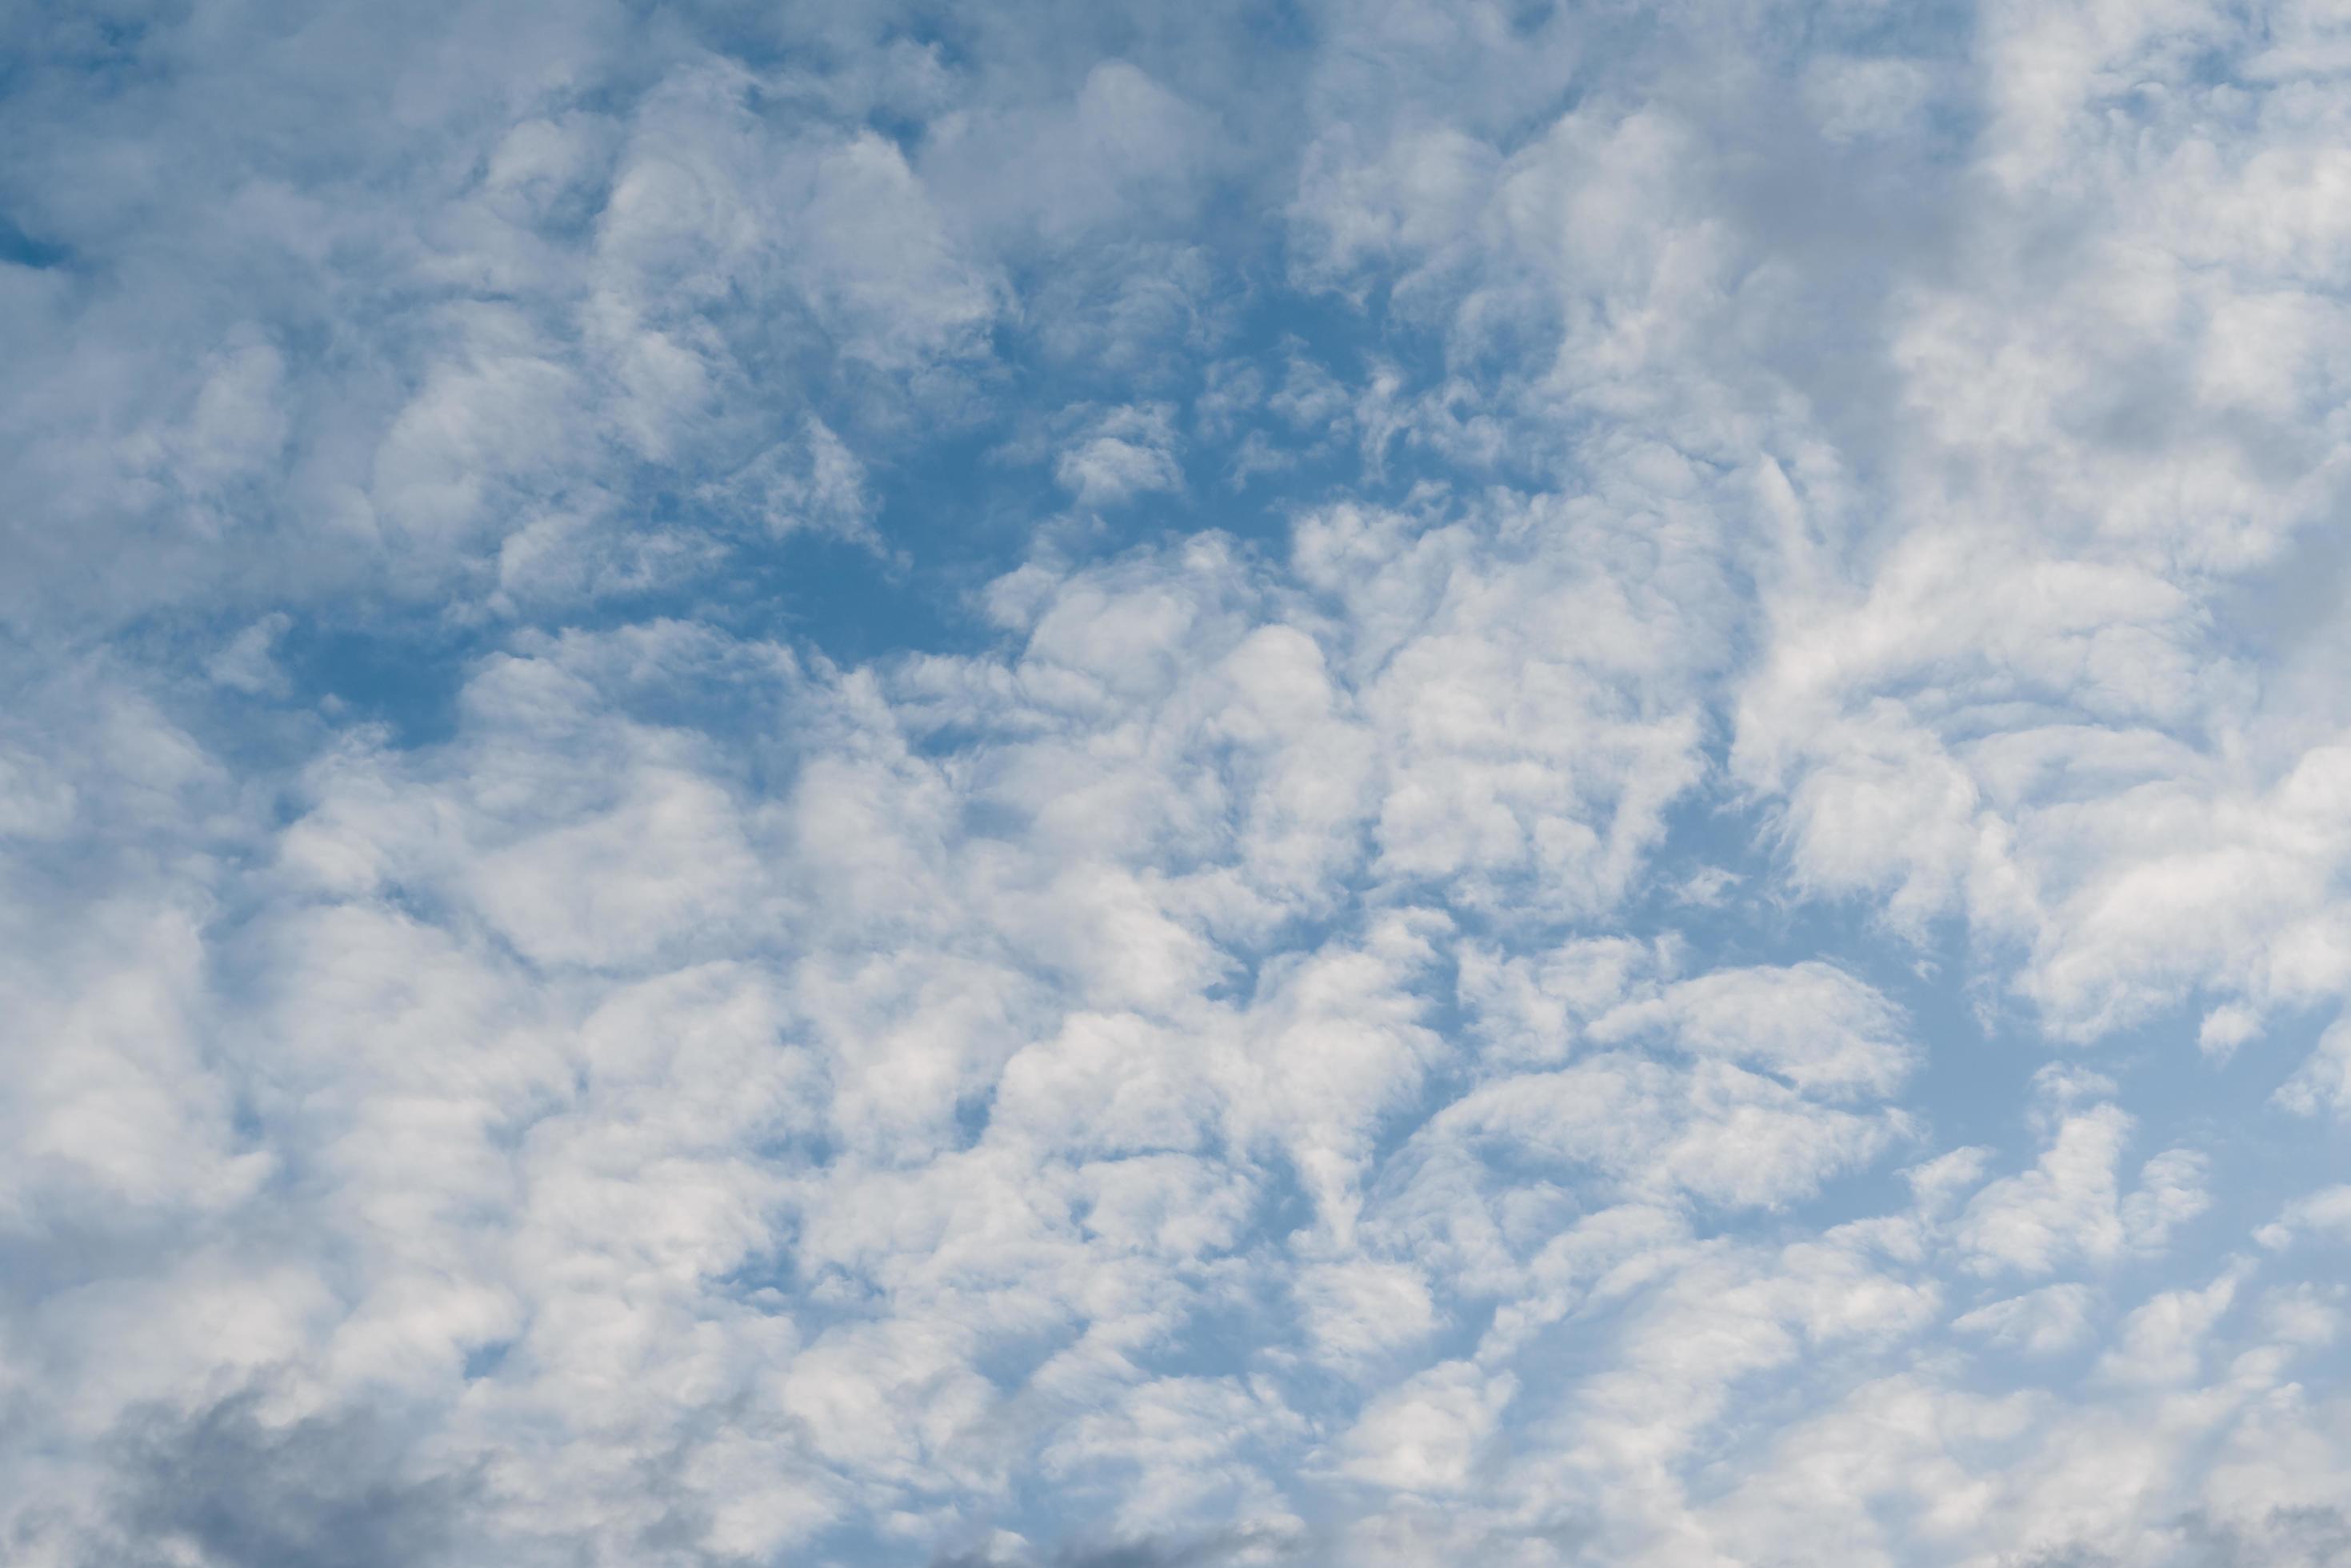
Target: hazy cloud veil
1393,782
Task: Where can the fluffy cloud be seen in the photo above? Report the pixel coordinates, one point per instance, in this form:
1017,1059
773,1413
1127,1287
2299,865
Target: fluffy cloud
1405,784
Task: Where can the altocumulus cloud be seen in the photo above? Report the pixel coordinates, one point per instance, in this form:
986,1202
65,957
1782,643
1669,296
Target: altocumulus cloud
1043,785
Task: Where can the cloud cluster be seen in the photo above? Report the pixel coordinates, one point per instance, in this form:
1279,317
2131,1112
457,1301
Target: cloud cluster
1389,784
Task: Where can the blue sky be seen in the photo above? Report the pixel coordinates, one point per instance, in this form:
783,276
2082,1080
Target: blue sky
1051,786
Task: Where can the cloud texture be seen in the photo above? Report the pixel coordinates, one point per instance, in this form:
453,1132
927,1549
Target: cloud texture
1358,783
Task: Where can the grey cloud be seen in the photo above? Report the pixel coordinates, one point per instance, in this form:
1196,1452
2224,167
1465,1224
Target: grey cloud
1220,1547
324,1491
2316,1536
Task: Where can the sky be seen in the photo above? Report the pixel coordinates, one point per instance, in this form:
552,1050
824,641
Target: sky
1341,783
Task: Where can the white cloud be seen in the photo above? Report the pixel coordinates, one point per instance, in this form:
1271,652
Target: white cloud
1360,1309
2326,1211
2171,1191
1426,1435
1818,1027
1764,573
2042,1322
2162,1341
1124,453
2323,1081
2062,1210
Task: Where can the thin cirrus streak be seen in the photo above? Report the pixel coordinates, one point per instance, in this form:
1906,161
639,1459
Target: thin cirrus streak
1369,783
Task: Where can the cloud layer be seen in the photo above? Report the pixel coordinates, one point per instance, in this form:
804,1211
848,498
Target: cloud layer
1373,783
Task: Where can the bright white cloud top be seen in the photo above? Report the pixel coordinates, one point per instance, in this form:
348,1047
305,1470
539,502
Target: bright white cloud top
1072,786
